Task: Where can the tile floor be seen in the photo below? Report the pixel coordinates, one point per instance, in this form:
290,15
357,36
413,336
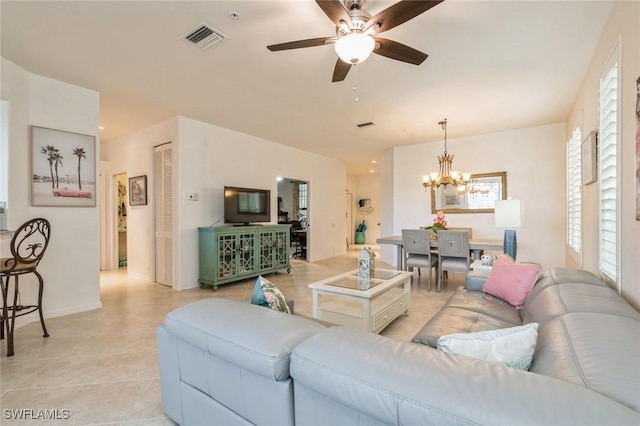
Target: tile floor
100,367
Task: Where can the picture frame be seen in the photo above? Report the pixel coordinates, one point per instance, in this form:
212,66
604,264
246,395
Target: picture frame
589,157
138,191
62,165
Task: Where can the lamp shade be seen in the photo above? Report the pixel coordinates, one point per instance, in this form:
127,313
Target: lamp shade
509,213
355,47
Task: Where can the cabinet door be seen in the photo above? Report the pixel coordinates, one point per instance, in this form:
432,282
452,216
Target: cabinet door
227,257
281,248
265,252
246,252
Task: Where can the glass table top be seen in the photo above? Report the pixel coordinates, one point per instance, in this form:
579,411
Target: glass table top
383,274
351,281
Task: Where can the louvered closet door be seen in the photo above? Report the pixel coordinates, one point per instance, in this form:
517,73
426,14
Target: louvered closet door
163,204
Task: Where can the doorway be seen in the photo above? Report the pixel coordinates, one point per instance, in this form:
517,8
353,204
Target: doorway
121,219
294,209
349,218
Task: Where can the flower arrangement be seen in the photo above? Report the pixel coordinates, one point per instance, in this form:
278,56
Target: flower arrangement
440,218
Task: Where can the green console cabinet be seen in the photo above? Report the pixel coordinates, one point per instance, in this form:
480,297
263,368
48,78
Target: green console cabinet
233,253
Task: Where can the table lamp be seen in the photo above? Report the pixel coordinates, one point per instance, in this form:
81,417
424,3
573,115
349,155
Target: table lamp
509,214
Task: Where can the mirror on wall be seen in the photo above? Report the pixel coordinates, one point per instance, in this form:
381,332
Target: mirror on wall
483,189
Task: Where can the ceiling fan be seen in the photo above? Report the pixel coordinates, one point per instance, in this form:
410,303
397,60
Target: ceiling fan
357,33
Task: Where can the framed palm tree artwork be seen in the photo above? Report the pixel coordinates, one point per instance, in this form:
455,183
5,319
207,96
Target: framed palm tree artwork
63,168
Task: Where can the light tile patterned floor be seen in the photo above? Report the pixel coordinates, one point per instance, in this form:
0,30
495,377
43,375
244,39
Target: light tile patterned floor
100,367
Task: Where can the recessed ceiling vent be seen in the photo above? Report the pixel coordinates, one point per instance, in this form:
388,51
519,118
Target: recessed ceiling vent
204,36
367,124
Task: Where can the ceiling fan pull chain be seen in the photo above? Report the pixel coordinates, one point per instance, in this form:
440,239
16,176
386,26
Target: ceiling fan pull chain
355,85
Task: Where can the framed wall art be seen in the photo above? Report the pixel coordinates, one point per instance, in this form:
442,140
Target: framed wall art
589,157
63,168
138,191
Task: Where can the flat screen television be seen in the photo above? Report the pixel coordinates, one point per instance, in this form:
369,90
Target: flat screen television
246,205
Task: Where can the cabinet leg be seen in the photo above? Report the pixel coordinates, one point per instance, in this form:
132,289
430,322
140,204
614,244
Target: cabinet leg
214,288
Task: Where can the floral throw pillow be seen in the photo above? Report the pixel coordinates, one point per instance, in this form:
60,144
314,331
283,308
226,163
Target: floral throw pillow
265,293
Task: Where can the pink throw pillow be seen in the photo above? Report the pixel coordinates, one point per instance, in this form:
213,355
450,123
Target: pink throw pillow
511,281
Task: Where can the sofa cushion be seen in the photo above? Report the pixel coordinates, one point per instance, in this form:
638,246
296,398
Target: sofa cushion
560,291
512,346
265,293
468,311
511,281
353,377
593,350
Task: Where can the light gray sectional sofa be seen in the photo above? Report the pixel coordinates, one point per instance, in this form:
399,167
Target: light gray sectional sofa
224,362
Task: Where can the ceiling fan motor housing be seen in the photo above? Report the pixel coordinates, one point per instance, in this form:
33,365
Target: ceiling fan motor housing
359,19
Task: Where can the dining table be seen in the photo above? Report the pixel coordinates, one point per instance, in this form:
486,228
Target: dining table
476,245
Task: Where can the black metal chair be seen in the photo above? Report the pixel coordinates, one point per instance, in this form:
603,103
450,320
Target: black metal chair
28,245
296,240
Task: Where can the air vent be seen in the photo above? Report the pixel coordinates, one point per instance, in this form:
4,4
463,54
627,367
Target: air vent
367,124
204,36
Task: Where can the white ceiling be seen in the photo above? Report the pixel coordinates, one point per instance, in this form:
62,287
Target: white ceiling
492,66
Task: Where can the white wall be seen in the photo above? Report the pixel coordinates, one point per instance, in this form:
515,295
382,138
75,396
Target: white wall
208,157
212,157
534,161
623,25
70,267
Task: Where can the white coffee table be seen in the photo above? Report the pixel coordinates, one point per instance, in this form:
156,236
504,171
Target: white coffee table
338,299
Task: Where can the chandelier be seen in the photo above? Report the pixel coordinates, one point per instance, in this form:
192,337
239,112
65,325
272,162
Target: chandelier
445,176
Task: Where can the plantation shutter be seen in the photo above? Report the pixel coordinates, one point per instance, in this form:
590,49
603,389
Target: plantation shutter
574,192
608,165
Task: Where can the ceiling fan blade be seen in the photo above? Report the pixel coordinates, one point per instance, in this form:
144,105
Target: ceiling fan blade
340,71
311,42
399,13
398,51
335,11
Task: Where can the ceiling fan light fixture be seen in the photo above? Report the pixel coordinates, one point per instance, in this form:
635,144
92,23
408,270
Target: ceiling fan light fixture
355,47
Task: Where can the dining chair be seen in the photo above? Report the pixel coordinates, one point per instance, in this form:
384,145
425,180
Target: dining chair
28,246
453,254
296,240
417,251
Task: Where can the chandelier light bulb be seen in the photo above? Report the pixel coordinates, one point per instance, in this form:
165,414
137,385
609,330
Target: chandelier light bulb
355,48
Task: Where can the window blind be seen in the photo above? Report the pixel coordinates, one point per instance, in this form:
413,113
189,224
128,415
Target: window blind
608,165
574,192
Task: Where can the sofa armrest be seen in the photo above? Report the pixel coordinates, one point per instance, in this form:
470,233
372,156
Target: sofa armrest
475,280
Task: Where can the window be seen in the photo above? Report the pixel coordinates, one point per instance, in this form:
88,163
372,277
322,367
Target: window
302,202
608,166
574,193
